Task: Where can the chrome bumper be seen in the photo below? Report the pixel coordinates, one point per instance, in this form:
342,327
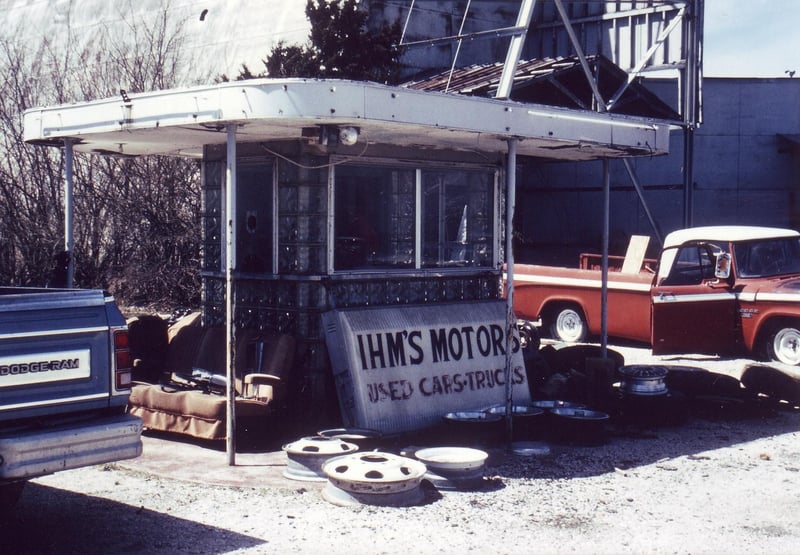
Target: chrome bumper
39,452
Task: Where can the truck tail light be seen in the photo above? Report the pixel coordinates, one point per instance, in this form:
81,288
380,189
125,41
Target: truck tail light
123,370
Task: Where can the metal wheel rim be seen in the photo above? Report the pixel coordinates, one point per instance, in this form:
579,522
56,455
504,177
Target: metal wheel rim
787,346
569,325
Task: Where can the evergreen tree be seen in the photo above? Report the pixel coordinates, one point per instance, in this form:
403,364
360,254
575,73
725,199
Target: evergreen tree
340,46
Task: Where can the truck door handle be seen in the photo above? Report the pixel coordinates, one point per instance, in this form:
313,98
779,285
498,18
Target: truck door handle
666,296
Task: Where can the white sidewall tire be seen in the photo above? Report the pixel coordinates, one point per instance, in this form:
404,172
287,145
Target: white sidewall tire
786,346
569,325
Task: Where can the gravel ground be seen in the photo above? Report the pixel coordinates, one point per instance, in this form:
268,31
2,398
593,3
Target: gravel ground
726,480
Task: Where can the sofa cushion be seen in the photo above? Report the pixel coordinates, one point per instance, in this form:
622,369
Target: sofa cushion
191,412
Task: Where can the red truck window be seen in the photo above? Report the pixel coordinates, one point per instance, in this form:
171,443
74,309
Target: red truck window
768,258
693,264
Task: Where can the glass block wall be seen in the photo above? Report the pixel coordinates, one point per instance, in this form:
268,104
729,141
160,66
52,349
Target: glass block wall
297,286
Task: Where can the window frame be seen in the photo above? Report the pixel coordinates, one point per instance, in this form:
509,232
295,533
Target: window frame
250,162
676,272
419,169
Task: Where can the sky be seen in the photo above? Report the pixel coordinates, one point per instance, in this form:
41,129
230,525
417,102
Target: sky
751,38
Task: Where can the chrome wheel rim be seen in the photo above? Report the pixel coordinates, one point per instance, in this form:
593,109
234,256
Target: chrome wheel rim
787,346
569,326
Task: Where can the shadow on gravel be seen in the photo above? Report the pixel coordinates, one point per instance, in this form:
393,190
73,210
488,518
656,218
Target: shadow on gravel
626,447
51,520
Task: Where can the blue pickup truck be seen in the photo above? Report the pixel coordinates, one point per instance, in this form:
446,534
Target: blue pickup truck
65,378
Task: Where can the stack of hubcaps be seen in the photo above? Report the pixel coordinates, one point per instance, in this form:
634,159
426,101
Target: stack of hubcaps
373,478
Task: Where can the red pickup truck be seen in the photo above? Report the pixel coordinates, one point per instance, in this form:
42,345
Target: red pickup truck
722,290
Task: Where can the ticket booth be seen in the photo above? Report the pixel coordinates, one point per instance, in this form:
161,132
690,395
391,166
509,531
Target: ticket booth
321,198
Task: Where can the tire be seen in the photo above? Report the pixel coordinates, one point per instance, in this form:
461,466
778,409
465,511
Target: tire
528,335
568,324
783,344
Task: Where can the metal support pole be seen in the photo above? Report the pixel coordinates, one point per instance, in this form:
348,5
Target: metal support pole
458,46
515,49
69,238
692,104
688,175
640,192
230,263
604,264
573,37
511,320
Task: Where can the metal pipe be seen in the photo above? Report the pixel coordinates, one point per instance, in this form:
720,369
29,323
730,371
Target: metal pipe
230,264
601,104
69,238
405,25
458,46
688,175
604,263
515,49
511,320
640,192
692,105
498,33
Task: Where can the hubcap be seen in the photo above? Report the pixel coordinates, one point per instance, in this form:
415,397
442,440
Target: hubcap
787,346
569,325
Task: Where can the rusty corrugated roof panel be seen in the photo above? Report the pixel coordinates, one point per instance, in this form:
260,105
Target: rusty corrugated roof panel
480,79
553,82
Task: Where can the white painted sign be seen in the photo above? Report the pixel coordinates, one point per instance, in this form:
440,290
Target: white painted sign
34,368
403,368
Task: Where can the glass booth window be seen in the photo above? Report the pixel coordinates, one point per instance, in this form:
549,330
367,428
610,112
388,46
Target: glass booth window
374,217
457,218
380,223
254,233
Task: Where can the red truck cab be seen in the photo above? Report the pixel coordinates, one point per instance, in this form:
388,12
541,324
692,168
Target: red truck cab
723,290
729,290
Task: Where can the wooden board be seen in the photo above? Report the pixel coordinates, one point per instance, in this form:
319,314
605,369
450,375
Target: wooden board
634,257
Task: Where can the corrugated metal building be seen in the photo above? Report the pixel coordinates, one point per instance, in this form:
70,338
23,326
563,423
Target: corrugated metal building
747,171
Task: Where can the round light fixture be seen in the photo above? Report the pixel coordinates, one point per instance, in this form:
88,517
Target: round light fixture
348,136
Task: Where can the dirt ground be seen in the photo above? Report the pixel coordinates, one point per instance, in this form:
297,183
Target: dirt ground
726,479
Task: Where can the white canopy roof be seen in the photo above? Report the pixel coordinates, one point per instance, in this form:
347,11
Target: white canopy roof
180,121
725,233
